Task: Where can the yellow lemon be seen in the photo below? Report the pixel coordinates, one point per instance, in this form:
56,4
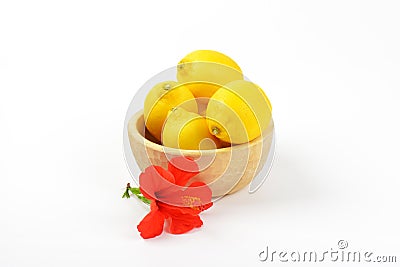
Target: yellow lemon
160,99
206,71
187,130
238,112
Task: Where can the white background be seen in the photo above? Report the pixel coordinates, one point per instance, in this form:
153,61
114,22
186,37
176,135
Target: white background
69,69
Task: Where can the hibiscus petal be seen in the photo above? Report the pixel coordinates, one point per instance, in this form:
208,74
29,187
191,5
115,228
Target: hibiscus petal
152,224
176,211
183,168
206,206
153,180
202,191
198,194
181,219
184,223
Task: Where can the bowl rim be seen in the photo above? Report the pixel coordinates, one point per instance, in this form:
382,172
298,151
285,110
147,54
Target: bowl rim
176,151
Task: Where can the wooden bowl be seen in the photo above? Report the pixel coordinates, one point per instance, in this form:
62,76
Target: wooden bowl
225,170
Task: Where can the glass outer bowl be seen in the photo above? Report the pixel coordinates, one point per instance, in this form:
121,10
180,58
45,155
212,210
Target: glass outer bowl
224,170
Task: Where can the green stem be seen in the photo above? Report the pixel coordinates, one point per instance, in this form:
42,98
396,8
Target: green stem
135,191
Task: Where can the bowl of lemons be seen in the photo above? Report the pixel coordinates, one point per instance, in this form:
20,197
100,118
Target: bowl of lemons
206,110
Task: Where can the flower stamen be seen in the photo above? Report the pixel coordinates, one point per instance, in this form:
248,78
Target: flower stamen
191,201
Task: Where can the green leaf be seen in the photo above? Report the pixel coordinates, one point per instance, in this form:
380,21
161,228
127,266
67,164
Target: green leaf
126,193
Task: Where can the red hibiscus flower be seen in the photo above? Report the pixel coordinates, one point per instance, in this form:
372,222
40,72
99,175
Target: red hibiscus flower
171,200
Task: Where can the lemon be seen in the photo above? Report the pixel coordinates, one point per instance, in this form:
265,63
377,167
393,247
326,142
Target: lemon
187,130
160,99
238,112
207,70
